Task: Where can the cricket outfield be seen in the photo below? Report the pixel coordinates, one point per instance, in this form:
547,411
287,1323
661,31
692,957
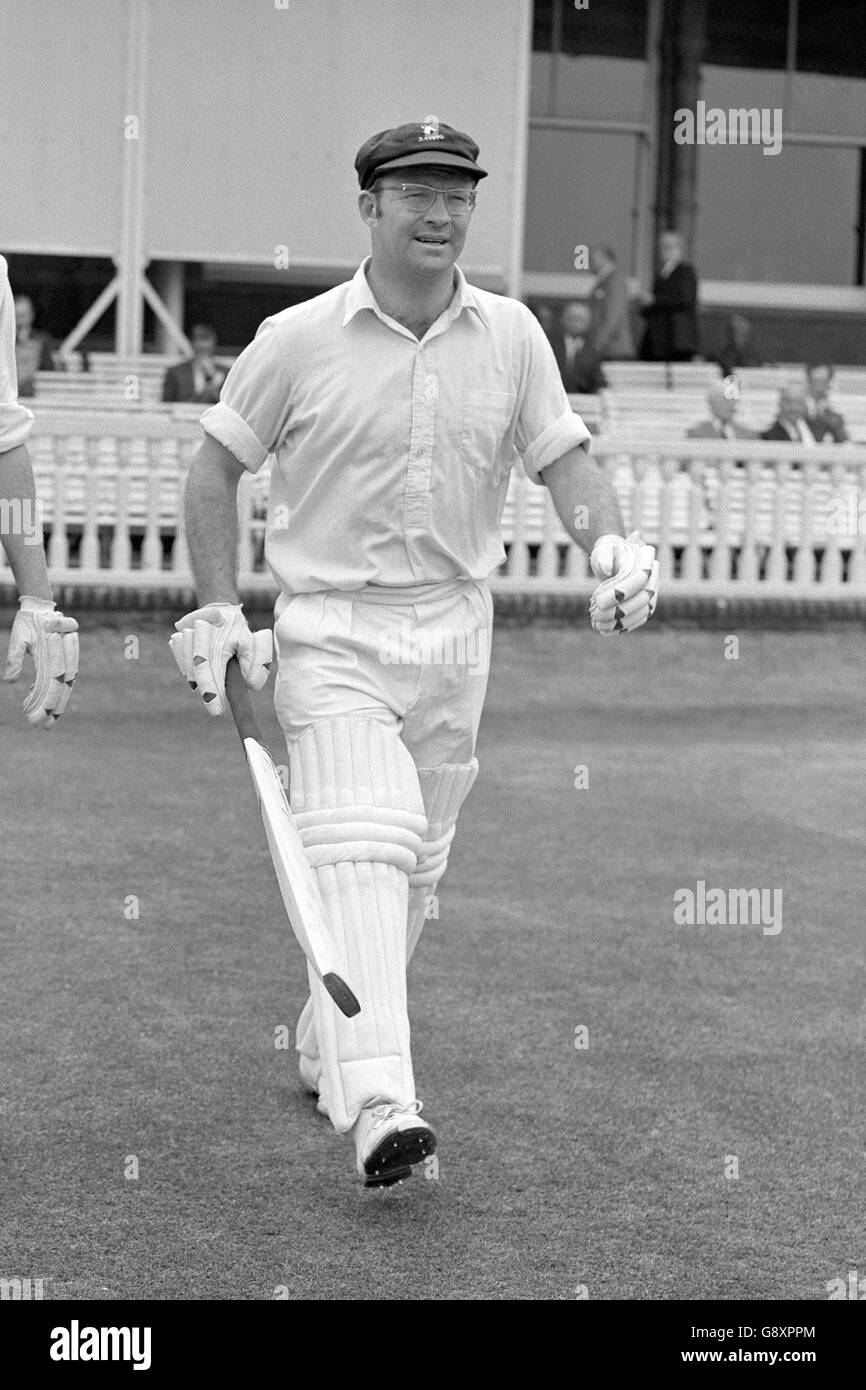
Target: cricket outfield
628,1106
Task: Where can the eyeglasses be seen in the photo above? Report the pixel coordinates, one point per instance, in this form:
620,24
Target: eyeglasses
418,197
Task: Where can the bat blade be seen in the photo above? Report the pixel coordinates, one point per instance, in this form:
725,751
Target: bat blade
297,883
295,877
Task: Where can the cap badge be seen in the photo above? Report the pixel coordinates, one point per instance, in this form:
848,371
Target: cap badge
430,127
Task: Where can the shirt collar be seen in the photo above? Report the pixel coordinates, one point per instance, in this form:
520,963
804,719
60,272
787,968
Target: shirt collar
360,296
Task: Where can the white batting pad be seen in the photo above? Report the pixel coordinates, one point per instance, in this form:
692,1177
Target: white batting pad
444,790
358,806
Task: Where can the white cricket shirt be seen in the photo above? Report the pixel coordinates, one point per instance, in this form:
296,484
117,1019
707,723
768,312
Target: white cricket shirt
16,421
392,456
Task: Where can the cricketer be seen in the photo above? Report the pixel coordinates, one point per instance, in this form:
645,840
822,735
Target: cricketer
395,407
50,638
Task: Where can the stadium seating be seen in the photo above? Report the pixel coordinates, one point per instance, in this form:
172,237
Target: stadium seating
660,376
653,414
661,413
96,391
110,380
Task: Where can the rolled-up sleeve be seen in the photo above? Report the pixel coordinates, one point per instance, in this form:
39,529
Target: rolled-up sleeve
16,421
547,427
251,417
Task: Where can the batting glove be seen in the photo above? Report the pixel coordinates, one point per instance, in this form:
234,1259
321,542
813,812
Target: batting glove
52,641
204,642
628,594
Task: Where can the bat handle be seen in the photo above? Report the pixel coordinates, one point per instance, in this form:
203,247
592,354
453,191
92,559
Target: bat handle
240,703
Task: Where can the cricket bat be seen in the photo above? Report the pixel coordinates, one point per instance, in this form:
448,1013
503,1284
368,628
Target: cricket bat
295,877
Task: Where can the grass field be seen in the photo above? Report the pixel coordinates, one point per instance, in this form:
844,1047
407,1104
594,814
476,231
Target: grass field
602,1167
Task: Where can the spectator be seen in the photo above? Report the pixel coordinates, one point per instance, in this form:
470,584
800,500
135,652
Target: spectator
722,400
738,348
578,362
199,378
546,317
671,333
611,329
791,421
825,424
32,349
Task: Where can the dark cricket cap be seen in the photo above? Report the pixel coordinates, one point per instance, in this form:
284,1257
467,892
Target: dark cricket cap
427,142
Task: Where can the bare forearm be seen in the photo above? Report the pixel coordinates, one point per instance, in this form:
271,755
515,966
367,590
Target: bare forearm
20,524
584,499
210,510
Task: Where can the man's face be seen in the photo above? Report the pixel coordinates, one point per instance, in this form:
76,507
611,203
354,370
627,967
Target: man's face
670,247
23,315
819,383
203,343
423,243
575,320
792,404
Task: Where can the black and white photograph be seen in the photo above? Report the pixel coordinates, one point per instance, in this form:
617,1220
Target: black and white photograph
432,607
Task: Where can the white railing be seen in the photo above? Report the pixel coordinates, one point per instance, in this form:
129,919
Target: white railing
749,517
746,517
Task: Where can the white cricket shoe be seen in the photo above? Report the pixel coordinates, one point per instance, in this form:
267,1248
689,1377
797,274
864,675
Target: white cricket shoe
389,1139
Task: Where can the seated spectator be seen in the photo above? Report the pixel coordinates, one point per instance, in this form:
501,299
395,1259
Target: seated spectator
722,400
611,327
791,421
825,424
32,349
671,313
199,378
738,348
578,362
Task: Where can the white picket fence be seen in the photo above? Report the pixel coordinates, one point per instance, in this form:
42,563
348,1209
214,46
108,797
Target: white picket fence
742,517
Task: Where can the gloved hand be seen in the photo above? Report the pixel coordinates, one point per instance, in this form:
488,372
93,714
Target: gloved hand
206,639
628,593
51,639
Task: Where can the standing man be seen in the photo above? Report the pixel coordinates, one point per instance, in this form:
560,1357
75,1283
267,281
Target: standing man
611,327
671,333
396,406
738,349
38,630
32,348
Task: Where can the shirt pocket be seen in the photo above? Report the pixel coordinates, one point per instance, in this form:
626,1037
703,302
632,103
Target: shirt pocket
486,421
